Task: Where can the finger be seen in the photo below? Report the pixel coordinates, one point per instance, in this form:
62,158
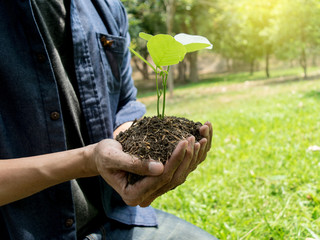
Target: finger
141,167
195,162
210,135
137,193
184,169
142,190
115,158
203,150
176,157
126,162
204,131
147,201
179,175
147,189
179,154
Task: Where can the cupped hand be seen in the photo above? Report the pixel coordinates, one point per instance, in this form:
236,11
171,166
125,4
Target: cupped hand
113,165
185,159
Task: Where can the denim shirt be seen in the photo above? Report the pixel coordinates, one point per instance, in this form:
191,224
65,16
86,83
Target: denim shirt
31,122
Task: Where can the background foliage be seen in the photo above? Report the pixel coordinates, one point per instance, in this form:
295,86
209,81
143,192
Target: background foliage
242,31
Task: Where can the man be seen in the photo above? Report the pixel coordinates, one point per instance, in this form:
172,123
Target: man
65,92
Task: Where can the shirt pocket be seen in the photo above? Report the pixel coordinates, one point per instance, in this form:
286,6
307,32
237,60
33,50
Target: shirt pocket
112,49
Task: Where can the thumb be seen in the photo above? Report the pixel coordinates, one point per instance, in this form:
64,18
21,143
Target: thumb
142,167
155,168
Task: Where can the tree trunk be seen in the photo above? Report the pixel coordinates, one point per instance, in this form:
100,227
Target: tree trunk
303,62
182,72
251,67
143,70
170,81
267,65
228,65
314,60
193,60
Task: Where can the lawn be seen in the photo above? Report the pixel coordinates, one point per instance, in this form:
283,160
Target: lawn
259,181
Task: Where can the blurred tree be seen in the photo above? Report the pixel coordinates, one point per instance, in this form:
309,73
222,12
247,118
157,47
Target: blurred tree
168,16
298,30
144,16
255,31
225,28
245,31
193,17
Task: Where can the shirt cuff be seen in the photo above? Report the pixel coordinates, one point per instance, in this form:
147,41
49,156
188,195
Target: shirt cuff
134,110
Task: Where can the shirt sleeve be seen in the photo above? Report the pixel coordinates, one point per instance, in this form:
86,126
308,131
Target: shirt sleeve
129,108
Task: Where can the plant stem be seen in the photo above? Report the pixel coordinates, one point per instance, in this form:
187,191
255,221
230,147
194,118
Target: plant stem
142,58
164,83
158,94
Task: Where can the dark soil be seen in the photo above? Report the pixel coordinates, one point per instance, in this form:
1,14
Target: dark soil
156,138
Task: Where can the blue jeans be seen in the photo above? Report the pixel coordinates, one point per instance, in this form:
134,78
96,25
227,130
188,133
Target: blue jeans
170,227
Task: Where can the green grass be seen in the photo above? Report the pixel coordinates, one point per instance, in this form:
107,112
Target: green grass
259,181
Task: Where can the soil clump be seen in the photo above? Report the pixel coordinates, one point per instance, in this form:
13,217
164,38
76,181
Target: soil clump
156,138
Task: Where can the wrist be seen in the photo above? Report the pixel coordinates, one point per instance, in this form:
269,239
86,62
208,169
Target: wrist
90,167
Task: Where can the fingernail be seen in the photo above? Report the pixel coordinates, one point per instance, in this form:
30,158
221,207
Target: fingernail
155,168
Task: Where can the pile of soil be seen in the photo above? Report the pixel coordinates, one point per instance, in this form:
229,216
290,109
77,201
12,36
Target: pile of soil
156,138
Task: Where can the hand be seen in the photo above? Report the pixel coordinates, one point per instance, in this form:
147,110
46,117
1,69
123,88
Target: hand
185,159
113,164
108,160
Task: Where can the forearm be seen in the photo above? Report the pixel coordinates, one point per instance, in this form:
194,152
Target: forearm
22,177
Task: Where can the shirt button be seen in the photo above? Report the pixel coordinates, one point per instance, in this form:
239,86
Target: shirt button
54,115
41,57
69,222
105,42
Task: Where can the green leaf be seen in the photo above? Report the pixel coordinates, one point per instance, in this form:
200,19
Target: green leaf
187,39
145,36
192,47
165,50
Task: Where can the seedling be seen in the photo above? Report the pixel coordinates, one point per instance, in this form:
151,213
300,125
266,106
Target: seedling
165,51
